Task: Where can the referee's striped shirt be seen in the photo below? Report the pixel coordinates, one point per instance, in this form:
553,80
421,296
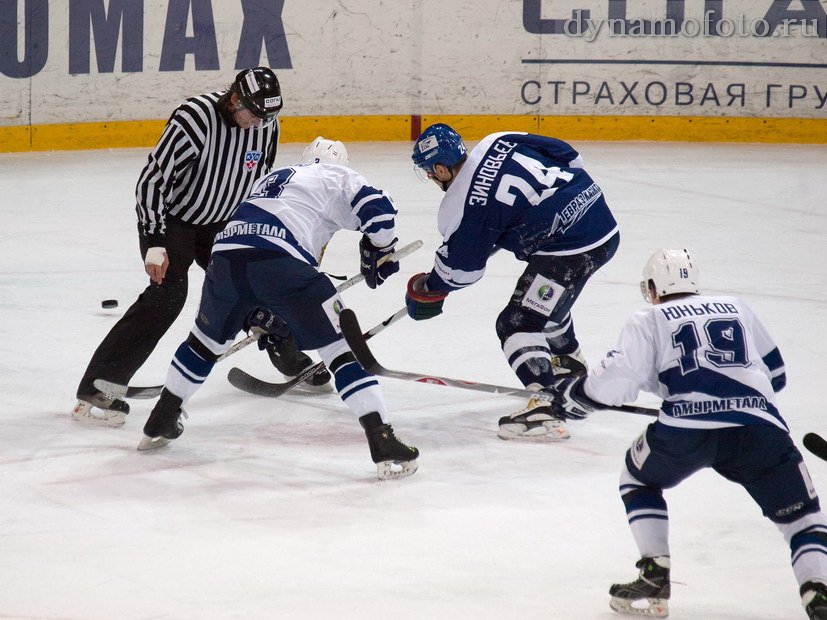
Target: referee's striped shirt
201,167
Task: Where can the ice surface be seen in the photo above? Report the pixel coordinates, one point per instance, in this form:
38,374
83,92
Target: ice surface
270,508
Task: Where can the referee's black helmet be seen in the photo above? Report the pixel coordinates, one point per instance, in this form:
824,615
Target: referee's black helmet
259,92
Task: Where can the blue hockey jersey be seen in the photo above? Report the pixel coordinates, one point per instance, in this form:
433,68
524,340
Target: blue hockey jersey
522,192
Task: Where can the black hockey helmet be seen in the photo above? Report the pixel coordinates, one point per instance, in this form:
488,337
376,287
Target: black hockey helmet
259,92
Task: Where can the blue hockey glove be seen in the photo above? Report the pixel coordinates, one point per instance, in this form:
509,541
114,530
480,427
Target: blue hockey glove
276,330
422,303
373,262
569,400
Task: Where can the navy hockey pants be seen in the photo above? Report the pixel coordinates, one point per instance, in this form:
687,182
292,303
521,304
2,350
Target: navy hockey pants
238,281
536,324
759,457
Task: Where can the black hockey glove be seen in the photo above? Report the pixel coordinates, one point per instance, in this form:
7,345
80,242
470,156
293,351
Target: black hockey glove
569,400
374,263
422,303
275,330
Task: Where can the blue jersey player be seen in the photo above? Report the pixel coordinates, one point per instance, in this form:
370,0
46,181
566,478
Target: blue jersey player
266,258
530,195
717,370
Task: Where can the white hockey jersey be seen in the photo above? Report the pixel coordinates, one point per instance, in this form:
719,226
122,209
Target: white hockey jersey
297,209
709,358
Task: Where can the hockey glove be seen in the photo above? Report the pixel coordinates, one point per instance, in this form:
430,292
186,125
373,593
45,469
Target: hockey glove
422,303
569,400
374,263
275,330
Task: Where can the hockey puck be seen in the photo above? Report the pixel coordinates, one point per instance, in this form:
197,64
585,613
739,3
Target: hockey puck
109,303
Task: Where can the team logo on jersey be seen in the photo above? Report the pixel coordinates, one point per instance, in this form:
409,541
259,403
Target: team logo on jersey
251,159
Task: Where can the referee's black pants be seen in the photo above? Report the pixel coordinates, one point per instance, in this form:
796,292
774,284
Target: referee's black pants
133,338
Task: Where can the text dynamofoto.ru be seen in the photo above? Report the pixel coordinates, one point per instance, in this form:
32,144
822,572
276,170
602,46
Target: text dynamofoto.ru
710,26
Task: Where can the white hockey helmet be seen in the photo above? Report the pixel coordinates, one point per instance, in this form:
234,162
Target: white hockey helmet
672,271
325,151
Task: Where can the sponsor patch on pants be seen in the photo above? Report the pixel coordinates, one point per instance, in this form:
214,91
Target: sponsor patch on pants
542,295
640,451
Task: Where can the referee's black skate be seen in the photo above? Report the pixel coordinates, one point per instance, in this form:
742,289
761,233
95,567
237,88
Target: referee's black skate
98,409
163,424
392,457
290,361
648,595
814,600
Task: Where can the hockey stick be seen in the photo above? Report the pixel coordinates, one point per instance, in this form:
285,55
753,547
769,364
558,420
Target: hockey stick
118,390
249,383
353,334
816,444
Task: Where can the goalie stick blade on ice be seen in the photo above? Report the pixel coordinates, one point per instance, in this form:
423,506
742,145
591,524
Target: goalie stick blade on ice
126,391
353,334
248,383
816,444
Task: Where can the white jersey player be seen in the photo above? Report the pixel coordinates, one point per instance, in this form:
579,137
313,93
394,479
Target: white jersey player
717,370
264,265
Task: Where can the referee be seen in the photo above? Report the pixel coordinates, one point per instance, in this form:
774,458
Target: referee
213,149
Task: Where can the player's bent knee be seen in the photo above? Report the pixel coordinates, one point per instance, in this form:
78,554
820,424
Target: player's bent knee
515,319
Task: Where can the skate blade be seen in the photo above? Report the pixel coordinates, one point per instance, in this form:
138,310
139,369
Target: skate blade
151,443
388,470
646,607
547,433
110,419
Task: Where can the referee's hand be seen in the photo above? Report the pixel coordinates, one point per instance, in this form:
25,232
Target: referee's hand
156,263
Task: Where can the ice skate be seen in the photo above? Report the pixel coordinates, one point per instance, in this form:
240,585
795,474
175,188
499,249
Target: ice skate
290,362
99,409
163,424
648,595
572,365
392,457
534,423
814,600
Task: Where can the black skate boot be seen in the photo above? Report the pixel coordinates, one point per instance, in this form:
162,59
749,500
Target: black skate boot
163,424
814,600
290,361
98,409
533,423
392,457
567,366
651,590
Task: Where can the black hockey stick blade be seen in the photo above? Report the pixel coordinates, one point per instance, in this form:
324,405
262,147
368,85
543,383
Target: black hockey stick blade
127,391
816,444
352,333
248,383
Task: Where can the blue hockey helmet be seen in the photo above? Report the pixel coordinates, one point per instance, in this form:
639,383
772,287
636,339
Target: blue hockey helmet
438,144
